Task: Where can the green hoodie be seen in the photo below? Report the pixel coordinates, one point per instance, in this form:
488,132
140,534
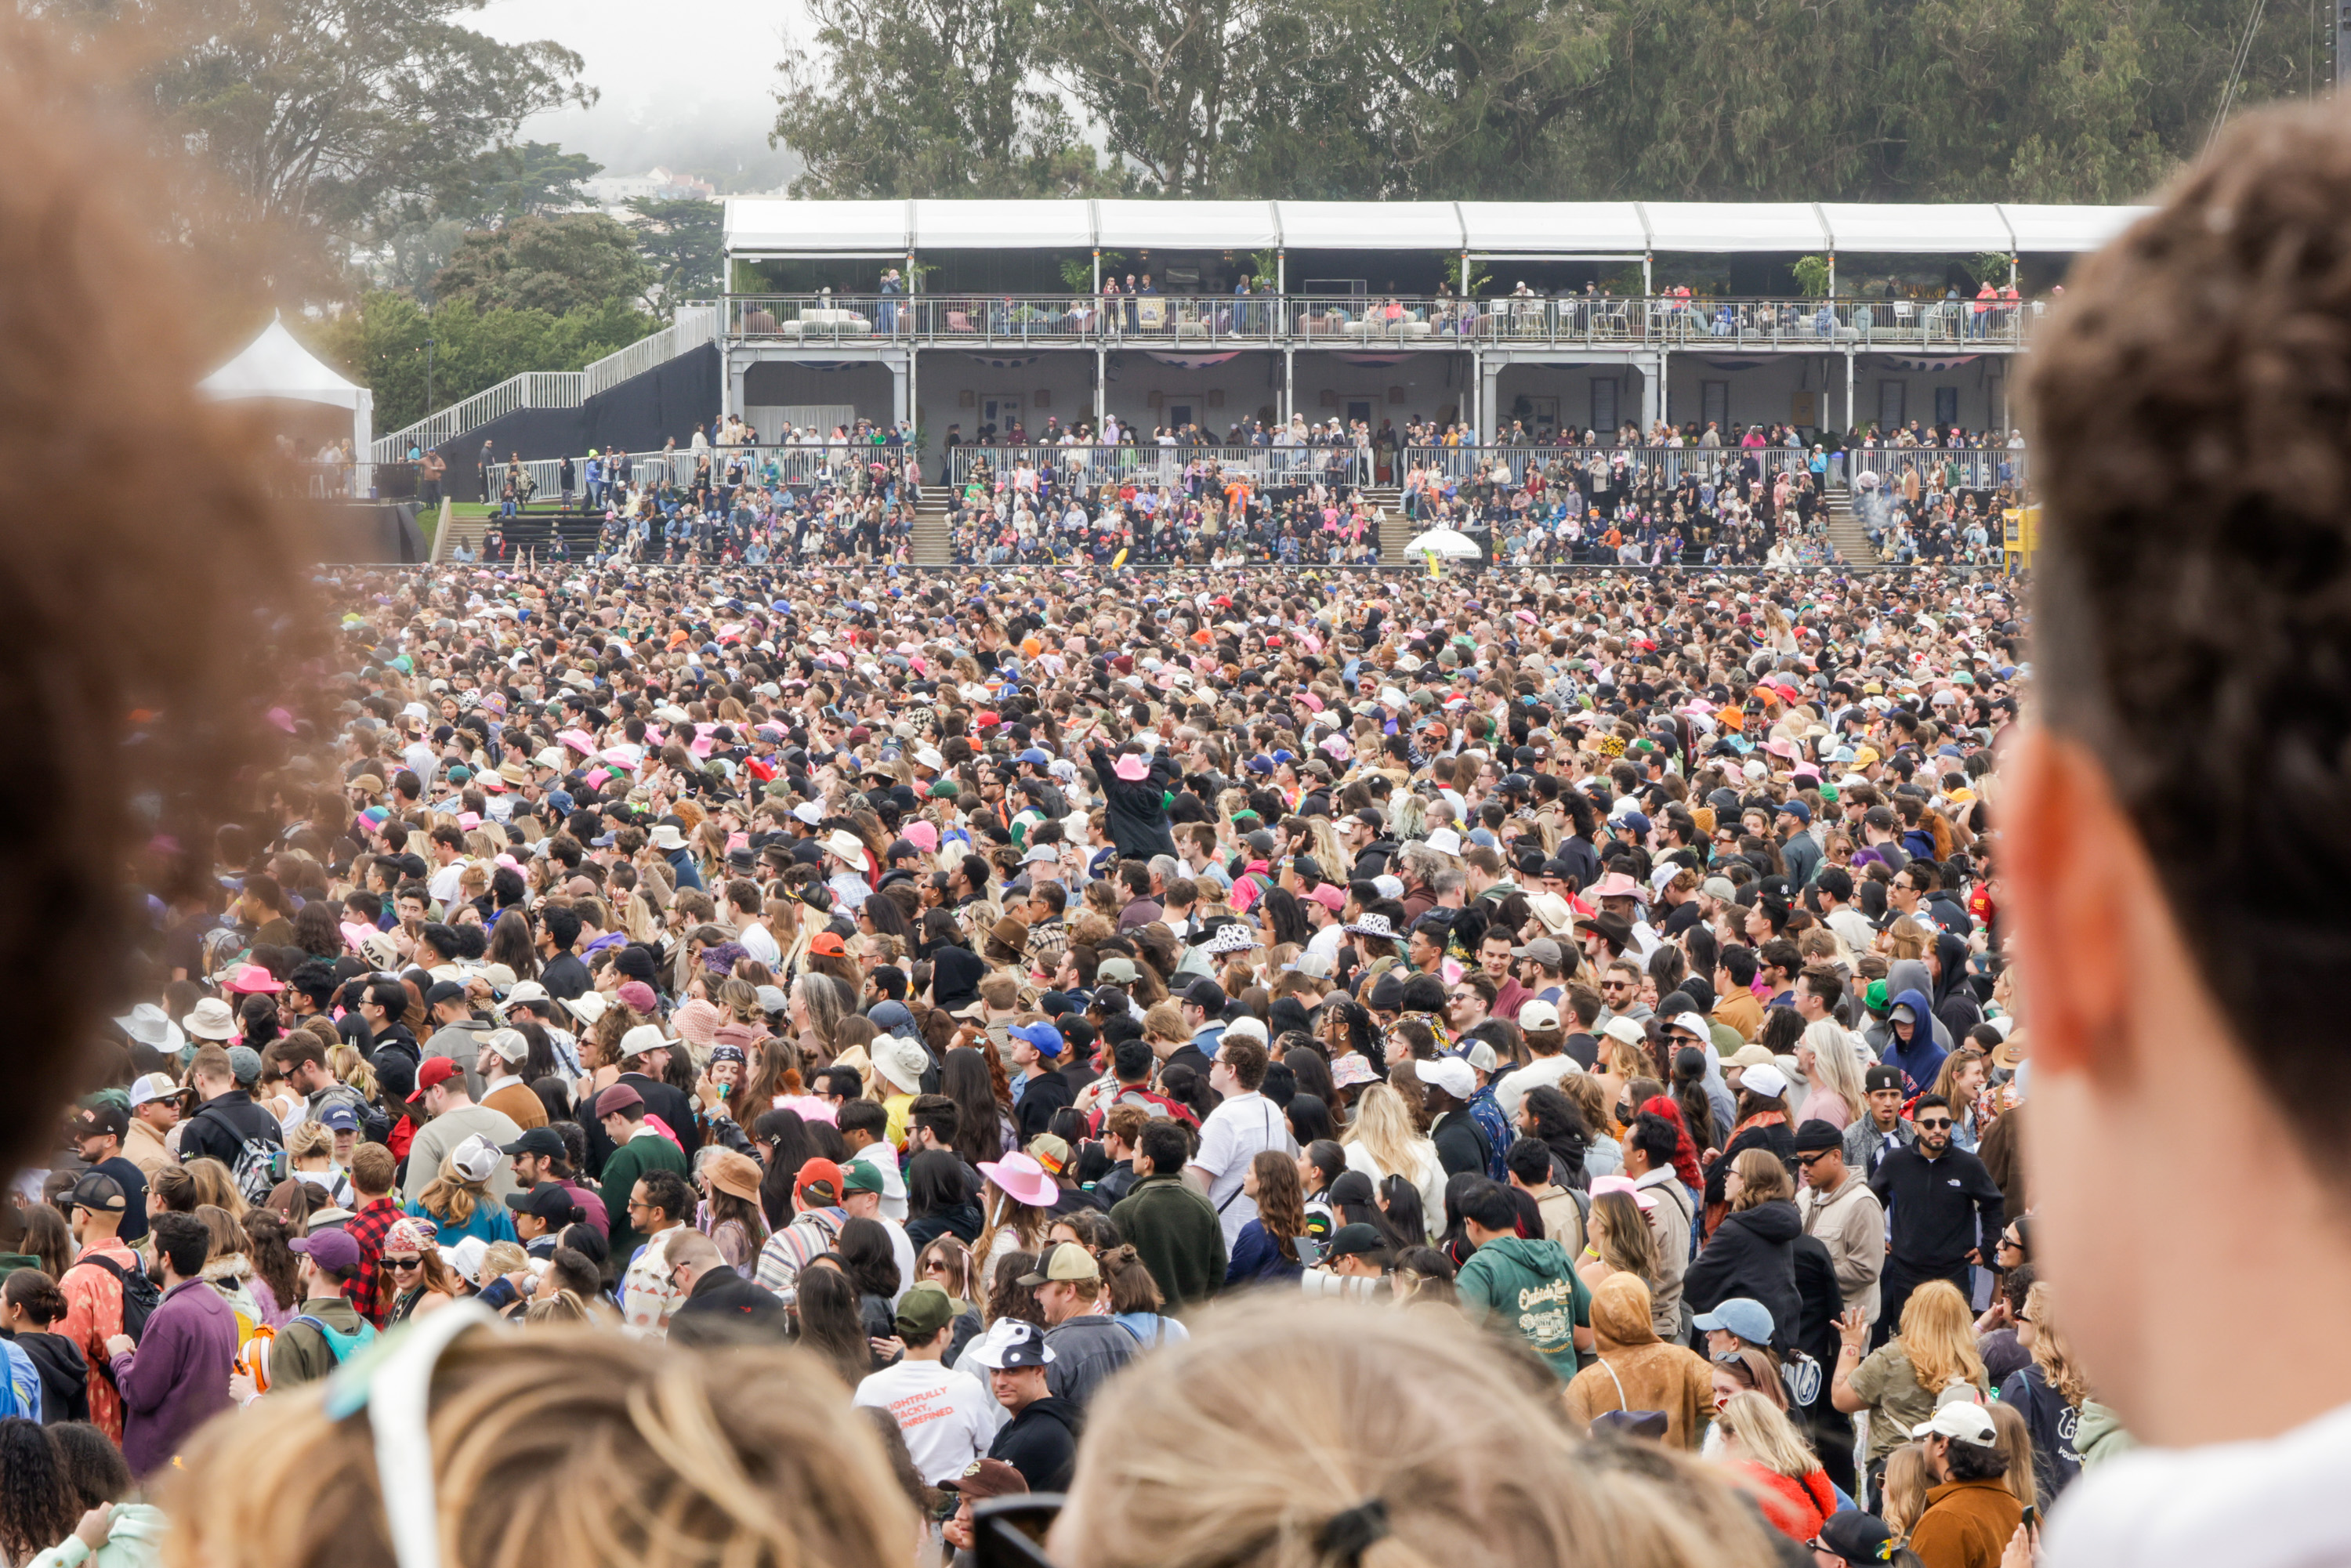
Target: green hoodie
1529,1285
134,1539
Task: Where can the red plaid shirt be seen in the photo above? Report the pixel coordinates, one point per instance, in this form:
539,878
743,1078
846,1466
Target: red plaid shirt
367,1227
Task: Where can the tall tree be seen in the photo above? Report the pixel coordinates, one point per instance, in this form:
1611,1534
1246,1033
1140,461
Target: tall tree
513,181
683,242
932,97
558,265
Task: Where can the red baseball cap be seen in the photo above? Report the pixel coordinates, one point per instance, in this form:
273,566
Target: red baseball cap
819,1181
438,1070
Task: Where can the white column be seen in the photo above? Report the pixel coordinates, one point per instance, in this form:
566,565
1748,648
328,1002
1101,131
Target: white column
913,394
1851,419
1489,402
1665,386
901,374
737,374
1102,378
1289,384
1651,400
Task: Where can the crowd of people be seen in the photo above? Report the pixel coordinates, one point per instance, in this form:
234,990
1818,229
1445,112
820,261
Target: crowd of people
1024,1001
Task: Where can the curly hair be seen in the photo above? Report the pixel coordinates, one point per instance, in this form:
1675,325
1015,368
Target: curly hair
2188,407
37,1508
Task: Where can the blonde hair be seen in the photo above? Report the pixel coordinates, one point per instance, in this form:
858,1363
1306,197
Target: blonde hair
1767,1437
2012,1437
350,1067
1904,1489
1906,938
1938,1335
1383,1128
2051,1352
451,1198
310,1138
1761,1179
1630,1247
216,1186
1279,1415
564,1444
1836,1065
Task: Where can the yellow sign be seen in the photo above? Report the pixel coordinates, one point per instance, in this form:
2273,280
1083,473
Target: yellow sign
2019,535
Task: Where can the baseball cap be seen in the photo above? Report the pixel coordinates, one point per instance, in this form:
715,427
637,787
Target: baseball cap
550,1201
1010,1343
1206,995
923,1310
444,991
152,1086
245,1062
97,1190
984,1478
1542,950
438,1070
1065,1261
1117,972
1537,1014
105,1118
339,1118
1963,1420
1763,1079
333,1251
819,1182
544,1142
1856,1536
1877,1078
1748,1318
509,1043
1449,1074
1352,1241
1044,1037
857,1176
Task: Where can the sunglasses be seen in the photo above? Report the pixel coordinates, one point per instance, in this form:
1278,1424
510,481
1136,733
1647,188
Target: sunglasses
1927,1125
402,1265
1809,1161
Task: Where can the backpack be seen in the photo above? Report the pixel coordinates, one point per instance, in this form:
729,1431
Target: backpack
260,1162
140,1298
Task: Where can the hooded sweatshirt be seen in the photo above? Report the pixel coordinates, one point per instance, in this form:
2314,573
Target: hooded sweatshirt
1955,1005
65,1376
1638,1371
1529,1285
1752,1255
1922,1059
1909,975
1041,1443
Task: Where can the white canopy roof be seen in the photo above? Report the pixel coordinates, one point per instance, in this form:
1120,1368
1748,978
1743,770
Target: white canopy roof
275,365
1916,229
1716,226
1369,225
2050,228
1554,227
1004,225
770,225
1186,226
771,222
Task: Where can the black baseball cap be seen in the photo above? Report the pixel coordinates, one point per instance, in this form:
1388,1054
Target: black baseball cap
97,1190
445,991
544,1142
1206,994
1877,1078
551,1201
1856,1536
1353,1240
104,1117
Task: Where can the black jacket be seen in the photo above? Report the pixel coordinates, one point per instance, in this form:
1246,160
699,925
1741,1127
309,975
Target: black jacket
65,1376
1041,1443
1460,1143
1819,1303
1752,1255
963,1221
1937,1209
1135,813
1040,1096
565,978
219,1128
724,1309
1373,860
1776,1138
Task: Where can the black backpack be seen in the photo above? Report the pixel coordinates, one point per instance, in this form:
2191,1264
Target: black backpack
140,1298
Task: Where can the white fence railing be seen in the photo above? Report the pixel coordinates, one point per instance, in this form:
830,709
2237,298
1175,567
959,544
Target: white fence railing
694,325
1164,466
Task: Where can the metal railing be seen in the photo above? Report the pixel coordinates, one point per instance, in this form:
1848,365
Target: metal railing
695,324
1611,468
1071,468
1381,321
769,466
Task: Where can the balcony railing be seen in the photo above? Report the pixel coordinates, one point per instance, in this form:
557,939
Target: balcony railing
1967,469
1375,322
1153,467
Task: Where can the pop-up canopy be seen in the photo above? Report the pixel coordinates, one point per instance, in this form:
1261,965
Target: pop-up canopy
274,366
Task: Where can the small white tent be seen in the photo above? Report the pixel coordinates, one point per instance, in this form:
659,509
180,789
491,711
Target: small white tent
274,366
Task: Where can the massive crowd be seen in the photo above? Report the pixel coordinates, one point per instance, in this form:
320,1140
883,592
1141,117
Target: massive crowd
1014,996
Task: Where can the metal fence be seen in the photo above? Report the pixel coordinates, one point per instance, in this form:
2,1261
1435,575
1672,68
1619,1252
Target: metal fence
768,465
1157,467
1609,468
1382,322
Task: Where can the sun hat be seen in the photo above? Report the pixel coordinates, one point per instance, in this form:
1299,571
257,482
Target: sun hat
901,1062
1022,1179
211,1020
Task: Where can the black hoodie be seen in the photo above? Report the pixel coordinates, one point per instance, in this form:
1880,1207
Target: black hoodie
1041,1443
1752,1255
65,1376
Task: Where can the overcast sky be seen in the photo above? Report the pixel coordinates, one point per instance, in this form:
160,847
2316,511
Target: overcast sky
686,83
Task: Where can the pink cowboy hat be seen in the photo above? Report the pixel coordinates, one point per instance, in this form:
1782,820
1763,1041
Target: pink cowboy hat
1022,1179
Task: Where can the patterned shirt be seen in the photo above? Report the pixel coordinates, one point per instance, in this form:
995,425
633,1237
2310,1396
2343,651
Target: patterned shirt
93,1316
368,1228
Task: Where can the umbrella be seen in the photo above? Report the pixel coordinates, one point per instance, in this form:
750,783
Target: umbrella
1449,543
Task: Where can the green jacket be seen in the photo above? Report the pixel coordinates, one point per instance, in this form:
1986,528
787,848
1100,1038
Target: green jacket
650,1152
1176,1234
1530,1286
301,1354
134,1539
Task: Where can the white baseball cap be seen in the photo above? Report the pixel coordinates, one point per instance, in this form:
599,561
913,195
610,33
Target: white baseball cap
152,1086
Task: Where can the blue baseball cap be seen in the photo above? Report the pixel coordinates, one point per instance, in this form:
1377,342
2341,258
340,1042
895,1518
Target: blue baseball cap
1750,1319
1044,1036
338,1118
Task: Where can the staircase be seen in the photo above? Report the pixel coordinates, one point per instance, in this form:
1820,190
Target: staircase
1394,528
931,545
533,530
1846,534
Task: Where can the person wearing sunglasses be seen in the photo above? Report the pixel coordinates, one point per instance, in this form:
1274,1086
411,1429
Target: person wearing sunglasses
1943,1213
414,1281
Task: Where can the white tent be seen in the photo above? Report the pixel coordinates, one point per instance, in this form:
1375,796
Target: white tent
274,366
